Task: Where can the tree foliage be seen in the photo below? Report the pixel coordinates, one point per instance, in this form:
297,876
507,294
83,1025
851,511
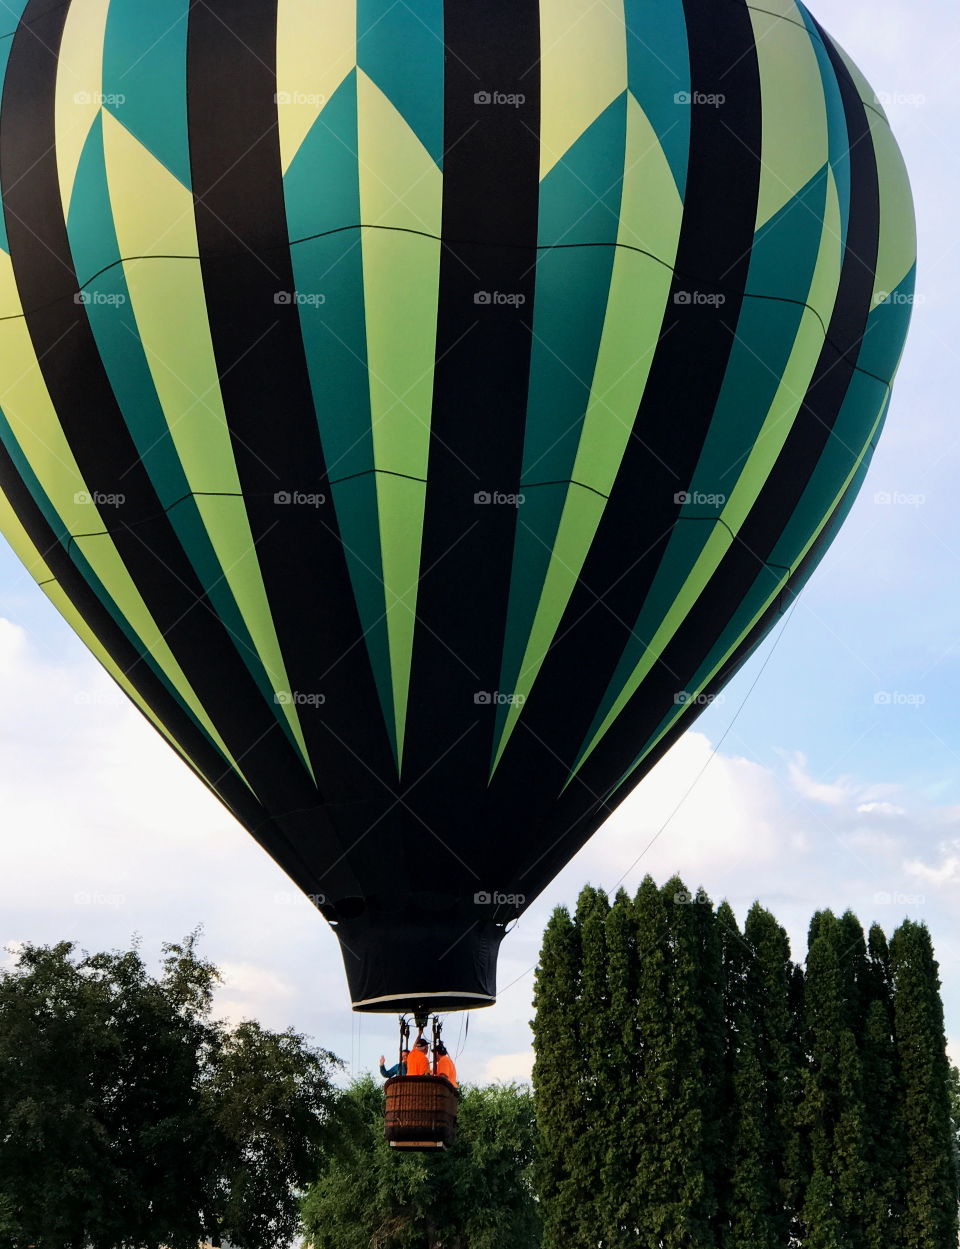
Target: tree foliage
929,1164
478,1194
694,1086
556,1073
130,1116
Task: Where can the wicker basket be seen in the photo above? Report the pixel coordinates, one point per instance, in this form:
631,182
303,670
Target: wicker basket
421,1112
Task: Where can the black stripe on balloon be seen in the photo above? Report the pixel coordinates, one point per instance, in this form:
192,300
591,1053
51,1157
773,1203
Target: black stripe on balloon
94,427
247,276
581,824
809,436
673,420
768,621
490,196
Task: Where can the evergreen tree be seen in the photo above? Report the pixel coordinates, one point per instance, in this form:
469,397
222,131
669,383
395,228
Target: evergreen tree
819,1217
955,1119
619,1210
930,1204
652,1193
688,1156
883,1122
813,929
849,1141
855,972
878,968
832,1109
740,1095
854,1181
555,1080
711,1034
802,1173
11,1234
759,1143
597,1123
694,1087
771,978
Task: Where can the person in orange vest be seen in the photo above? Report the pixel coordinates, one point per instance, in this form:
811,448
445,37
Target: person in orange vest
445,1064
418,1061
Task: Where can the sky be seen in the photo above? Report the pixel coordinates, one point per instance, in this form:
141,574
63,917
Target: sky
828,774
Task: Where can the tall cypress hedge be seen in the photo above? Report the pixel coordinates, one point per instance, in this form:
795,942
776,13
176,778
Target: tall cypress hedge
929,1165
695,1087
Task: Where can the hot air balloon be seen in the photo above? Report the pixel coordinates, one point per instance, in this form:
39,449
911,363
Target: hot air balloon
422,410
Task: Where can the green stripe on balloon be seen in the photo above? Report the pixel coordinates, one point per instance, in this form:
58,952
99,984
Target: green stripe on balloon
144,76
658,74
405,59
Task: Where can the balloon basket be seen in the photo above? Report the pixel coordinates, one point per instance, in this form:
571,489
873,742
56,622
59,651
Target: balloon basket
420,1112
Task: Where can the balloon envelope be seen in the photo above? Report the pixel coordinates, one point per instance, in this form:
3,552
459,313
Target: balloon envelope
422,410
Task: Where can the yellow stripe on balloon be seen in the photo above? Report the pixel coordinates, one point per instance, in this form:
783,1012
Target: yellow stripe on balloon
583,68
400,187
34,423
154,213
650,217
791,87
79,92
316,49
10,305
897,250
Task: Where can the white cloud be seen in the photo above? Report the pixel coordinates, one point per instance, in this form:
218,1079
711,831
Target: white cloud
946,872
506,1067
833,794
248,979
695,812
880,808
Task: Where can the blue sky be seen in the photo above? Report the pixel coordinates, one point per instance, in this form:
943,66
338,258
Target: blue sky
822,792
